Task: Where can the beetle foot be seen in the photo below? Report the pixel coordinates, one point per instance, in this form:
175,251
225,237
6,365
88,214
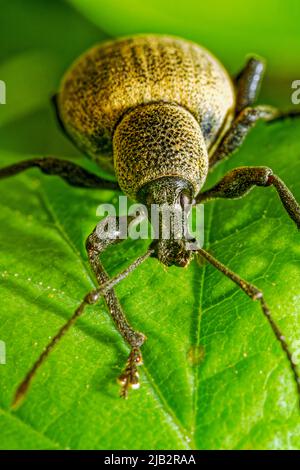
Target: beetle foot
130,377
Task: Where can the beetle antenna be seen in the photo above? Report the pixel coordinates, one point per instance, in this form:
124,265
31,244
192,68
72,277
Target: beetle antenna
91,298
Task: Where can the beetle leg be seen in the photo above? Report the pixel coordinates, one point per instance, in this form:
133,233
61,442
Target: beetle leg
90,299
248,83
256,294
238,182
239,129
96,244
72,173
241,126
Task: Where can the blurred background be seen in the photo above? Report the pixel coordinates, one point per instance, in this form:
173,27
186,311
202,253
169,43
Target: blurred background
40,39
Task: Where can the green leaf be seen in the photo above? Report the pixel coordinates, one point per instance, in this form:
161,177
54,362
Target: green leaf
214,375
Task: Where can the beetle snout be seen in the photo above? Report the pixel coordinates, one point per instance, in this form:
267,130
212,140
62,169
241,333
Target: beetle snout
172,252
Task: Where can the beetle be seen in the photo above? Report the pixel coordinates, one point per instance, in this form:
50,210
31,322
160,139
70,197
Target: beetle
159,112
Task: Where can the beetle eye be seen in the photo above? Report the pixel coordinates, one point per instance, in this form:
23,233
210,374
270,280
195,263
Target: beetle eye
184,200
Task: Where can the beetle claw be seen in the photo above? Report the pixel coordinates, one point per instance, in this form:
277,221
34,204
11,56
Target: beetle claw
130,377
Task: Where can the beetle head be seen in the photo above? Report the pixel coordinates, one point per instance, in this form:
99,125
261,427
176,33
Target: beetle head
169,201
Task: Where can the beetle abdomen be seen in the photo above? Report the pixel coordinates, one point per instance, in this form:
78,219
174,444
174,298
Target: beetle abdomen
116,76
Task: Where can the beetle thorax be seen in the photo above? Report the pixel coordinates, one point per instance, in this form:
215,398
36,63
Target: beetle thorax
158,140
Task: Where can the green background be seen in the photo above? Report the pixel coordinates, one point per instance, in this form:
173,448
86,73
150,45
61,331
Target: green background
214,376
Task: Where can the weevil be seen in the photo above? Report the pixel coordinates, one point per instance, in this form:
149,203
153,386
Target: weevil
158,112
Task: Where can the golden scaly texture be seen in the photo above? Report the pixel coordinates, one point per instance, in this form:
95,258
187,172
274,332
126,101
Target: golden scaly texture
157,140
117,76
